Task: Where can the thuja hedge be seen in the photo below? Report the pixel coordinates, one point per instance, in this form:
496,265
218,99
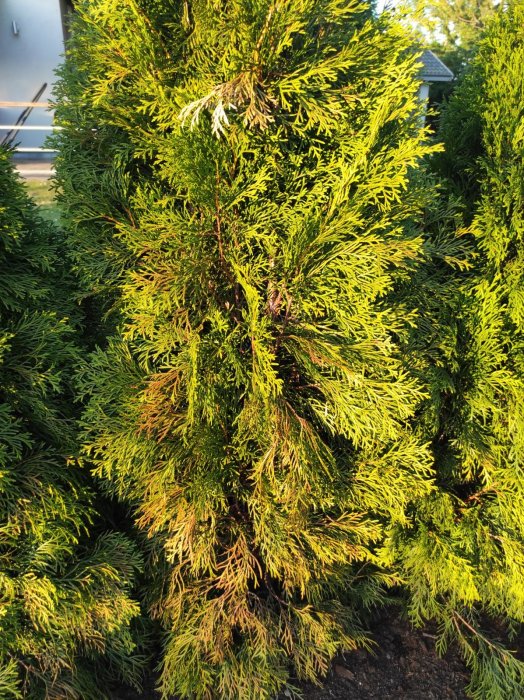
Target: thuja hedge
235,177
462,552
308,386
480,445
65,608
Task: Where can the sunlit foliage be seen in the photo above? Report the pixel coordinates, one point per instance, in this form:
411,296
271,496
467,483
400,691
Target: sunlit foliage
235,178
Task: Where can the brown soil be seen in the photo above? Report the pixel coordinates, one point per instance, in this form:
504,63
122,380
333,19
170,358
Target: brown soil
404,666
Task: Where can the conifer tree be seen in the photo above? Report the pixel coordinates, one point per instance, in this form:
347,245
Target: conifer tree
453,27
462,557
235,180
63,595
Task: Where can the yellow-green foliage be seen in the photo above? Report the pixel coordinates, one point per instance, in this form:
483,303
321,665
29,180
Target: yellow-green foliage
235,176
63,596
463,557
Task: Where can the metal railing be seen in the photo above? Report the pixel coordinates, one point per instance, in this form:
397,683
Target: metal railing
20,125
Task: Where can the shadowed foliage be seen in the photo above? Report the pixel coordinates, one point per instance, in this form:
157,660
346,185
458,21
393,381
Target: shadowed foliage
64,601
463,556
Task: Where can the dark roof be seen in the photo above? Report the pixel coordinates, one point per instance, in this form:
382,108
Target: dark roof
433,70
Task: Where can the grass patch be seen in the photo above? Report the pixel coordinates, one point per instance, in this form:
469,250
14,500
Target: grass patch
40,190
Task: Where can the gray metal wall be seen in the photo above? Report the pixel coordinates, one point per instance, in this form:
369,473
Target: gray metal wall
29,59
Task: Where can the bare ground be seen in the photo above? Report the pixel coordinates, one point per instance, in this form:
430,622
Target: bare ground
404,666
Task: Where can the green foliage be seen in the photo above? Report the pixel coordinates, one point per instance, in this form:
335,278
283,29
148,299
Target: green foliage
462,556
236,181
63,596
456,23
452,29
454,26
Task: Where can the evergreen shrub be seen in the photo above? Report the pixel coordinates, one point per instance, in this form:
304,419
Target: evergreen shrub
462,556
234,178
64,602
